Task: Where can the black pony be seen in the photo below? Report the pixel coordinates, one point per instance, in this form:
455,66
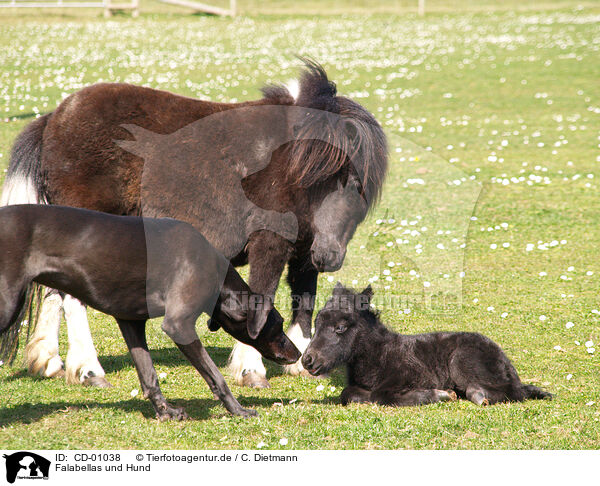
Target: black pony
395,369
283,180
135,269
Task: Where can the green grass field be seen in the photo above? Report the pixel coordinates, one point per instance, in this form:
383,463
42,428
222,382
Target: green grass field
493,121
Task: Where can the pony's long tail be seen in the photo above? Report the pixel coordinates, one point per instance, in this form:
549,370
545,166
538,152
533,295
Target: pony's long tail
9,336
535,393
24,182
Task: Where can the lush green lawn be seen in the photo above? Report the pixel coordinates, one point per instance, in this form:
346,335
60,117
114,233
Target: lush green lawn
471,102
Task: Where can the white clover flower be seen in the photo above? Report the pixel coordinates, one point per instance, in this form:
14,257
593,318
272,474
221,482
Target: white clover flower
569,325
543,318
134,392
283,441
320,387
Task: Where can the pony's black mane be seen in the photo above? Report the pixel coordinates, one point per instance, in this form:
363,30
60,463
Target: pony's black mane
346,299
355,142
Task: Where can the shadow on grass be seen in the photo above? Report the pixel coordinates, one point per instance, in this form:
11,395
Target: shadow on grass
171,357
197,409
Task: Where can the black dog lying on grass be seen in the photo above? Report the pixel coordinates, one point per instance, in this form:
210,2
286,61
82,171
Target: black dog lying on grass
133,269
403,370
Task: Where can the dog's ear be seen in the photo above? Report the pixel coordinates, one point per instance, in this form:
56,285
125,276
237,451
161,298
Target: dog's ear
213,325
368,292
338,289
258,311
232,305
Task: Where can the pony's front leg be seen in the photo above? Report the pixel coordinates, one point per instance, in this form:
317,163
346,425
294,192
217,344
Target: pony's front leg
267,255
41,352
302,278
82,365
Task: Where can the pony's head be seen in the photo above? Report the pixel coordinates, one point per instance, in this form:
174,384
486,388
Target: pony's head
339,154
345,317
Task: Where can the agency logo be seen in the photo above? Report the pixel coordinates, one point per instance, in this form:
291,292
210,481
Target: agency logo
26,465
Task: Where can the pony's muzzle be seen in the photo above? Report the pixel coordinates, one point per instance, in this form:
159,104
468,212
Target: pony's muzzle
328,260
311,364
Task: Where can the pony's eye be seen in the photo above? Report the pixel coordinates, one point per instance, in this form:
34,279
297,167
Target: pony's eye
340,328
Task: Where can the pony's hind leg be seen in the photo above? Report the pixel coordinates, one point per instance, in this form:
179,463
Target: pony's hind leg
134,333
484,396
82,365
41,352
402,398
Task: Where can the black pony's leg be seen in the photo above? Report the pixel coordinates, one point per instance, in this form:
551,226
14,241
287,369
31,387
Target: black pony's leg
197,355
480,395
355,394
134,333
402,398
302,278
268,254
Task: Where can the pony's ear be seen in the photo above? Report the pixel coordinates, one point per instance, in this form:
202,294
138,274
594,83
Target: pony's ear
258,311
338,289
368,293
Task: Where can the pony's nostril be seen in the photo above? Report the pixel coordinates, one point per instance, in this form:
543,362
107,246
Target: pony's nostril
307,360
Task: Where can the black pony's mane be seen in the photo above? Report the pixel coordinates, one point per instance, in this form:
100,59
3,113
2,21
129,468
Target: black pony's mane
350,301
336,136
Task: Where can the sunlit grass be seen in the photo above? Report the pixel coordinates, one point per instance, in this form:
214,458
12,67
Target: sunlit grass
506,104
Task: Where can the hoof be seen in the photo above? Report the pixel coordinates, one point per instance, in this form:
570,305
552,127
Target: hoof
296,369
252,379
172,413
97,381
453,396
59,374
445,395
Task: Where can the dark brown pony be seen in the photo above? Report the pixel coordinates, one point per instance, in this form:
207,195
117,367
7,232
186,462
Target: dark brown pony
281,180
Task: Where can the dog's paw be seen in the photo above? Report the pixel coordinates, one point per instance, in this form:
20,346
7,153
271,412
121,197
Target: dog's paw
171,413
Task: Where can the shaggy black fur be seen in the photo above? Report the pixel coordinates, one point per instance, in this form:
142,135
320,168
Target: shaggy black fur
395,369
